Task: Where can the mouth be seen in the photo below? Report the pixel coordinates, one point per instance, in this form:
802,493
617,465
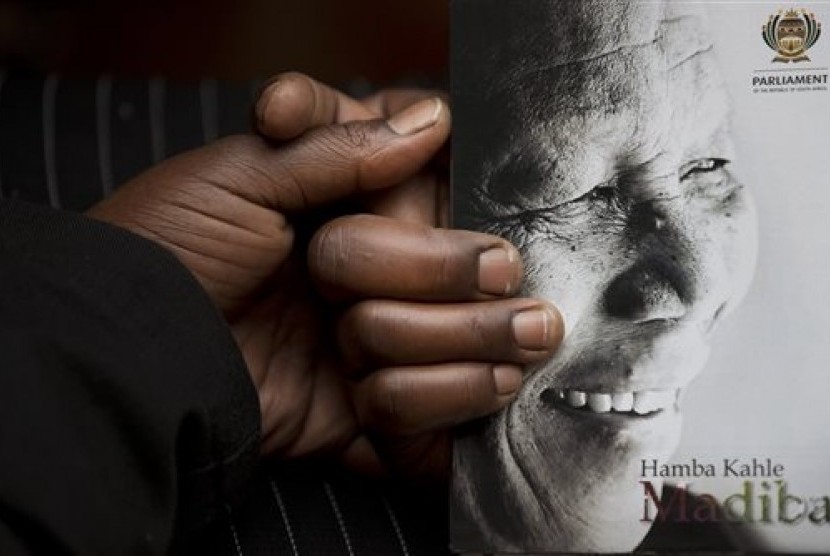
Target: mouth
642,403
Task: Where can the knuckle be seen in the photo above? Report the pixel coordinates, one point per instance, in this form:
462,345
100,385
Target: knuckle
330,251
387,401
366,315
356,135
479,328
348,139
352,149
358,333
334,147
470,390
387,392
446,263
476,390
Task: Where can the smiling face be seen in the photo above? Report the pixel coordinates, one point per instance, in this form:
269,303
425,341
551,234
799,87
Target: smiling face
595,136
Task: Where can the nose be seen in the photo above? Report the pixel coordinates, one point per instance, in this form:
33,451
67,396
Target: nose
659,284
645,293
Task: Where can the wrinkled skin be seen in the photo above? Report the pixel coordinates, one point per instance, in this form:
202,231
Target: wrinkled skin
369,340
600,149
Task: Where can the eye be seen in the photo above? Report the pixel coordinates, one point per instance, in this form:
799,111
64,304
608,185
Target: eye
523,180
601,193
702,166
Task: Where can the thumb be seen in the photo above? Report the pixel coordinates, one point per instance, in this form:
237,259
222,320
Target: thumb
336,161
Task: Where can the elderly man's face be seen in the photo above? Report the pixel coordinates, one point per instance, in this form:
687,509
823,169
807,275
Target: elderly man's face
605,155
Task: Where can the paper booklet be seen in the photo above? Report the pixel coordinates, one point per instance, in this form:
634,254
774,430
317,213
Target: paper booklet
664,168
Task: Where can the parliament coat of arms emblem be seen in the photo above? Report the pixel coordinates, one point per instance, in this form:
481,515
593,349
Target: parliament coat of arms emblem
791,34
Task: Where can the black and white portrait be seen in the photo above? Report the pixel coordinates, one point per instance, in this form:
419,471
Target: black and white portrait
597,137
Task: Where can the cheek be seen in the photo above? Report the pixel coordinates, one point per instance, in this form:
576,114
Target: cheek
571,273
730,230
741,252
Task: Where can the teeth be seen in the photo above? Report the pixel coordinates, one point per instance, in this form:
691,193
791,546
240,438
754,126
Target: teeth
623,402
640,403
599,403
644,402
576,398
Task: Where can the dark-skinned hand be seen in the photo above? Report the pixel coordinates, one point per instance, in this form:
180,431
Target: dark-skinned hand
368,342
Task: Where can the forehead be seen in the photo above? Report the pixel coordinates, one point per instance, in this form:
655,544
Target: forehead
602,80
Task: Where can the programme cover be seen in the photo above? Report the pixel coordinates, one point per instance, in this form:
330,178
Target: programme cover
664,167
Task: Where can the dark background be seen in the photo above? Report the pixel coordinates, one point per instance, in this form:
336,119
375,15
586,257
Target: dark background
382,41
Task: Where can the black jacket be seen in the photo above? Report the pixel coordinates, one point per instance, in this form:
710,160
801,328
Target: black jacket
128,423
125,408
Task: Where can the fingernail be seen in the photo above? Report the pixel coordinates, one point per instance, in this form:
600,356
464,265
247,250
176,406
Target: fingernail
417,117
508,379
533,329
264,100
497,271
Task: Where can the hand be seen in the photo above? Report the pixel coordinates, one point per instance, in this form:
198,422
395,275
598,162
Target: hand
372,339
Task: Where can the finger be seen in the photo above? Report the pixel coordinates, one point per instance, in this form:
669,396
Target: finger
361,456
373,256
386,102
418,200
332,162
414,400
291,103
424,198
392,333
391,101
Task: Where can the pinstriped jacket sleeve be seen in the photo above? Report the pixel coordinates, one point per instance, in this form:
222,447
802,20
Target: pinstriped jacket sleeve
65,143
127,417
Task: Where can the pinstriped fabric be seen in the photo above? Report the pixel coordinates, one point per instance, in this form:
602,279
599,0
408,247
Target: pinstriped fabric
21,138
157,88
208,106
50,90
337,514
103,100
396,526
237,546
130,129
78,134
2,83
284,515
76,166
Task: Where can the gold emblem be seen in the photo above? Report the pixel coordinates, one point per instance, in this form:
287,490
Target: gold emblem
791,34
